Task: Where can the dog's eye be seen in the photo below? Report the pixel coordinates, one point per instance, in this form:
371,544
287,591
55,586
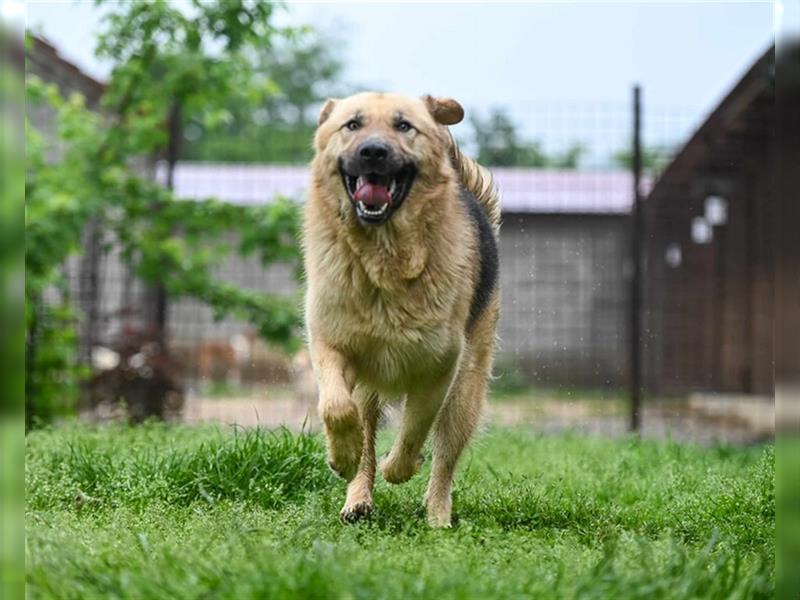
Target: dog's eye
404,126
352,125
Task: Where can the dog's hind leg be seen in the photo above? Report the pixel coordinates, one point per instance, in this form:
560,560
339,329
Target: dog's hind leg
359,491
456,423
458,419
405,459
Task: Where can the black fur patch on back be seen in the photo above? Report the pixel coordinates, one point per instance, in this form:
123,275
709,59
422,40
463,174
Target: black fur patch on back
487,252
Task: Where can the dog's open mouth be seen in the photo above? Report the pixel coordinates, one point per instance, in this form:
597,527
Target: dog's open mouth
376,196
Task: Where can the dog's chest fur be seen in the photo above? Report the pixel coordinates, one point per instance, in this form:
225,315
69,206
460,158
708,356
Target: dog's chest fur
396,333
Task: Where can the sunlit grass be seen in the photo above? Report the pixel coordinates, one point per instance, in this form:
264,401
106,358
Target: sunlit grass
178,512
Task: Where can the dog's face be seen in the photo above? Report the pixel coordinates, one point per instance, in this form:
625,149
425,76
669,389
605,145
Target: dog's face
377,147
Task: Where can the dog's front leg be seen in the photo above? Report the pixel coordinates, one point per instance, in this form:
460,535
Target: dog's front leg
337,410
359,491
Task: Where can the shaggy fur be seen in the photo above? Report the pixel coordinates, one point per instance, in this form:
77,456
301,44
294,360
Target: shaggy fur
407,308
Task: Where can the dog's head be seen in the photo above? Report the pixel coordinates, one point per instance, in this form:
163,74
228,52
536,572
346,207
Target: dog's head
377,149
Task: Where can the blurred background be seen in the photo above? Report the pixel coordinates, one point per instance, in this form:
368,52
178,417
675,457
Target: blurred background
167,151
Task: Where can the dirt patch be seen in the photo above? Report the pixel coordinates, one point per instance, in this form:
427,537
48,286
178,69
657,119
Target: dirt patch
678,420
259,410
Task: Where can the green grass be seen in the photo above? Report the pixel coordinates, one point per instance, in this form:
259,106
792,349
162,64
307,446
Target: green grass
177,512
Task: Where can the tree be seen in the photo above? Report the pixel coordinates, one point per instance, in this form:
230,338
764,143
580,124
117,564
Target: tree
166,71
654,159
299,72
306,69
499,145
496,138
169,67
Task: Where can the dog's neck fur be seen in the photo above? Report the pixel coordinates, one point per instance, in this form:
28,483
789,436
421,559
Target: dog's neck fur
391,255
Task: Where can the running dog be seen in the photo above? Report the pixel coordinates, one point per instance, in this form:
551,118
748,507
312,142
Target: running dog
400,250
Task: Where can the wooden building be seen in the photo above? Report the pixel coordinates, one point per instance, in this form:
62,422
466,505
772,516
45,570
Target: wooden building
708,282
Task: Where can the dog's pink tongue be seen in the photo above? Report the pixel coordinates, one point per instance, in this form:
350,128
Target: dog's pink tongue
373,194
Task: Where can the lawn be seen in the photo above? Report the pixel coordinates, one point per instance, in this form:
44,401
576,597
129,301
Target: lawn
177,512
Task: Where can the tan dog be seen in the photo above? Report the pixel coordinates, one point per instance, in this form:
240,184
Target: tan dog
402,299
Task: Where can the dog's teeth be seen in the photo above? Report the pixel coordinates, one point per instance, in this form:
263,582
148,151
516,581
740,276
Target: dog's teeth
369,211
392,186
359,182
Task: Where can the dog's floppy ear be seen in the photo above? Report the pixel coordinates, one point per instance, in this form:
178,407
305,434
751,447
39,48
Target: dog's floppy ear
445,111
326,111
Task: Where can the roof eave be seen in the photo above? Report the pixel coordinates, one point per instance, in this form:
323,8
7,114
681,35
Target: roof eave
753,83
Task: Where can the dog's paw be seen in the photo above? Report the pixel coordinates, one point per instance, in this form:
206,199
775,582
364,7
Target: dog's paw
399,470
439,512
353,512
439,522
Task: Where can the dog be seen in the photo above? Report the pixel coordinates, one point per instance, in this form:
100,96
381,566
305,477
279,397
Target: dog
402,300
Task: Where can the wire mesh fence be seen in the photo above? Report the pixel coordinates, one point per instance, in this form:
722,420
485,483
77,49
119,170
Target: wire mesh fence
563,246
564,172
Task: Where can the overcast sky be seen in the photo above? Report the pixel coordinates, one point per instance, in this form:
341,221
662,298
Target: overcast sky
684,54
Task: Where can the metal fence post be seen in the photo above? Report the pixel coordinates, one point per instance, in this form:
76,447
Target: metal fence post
636,262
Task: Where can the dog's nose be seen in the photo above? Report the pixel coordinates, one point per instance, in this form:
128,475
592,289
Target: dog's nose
373,152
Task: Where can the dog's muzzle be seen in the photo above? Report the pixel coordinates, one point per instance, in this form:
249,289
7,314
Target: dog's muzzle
377,180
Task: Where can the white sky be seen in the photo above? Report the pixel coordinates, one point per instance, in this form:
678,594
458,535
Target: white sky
684,54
